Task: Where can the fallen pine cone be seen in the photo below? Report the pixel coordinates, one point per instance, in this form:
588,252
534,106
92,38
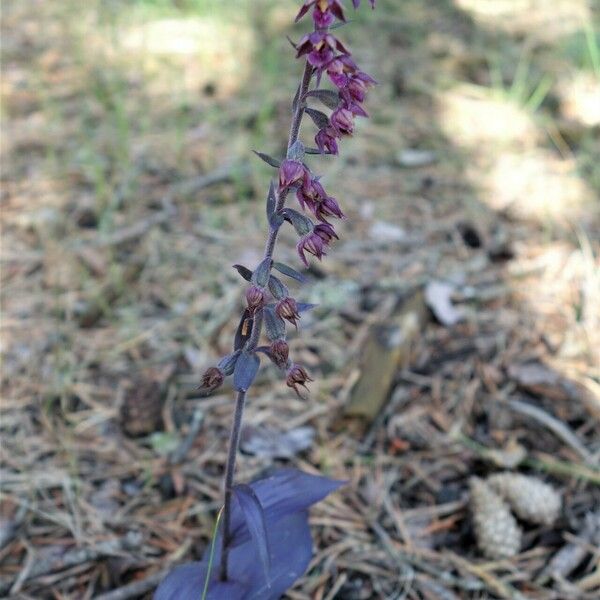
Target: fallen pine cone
497,532
531,499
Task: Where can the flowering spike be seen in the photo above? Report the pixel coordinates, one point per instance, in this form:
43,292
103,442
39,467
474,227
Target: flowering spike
247,567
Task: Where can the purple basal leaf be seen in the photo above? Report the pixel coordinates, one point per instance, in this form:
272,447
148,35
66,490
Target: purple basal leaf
273,162
304,306
274,325
255,521
285,492
271,200
320,119
291,551
186,582
329,98
289,271
244,330
260,276
284,497
296,151
245,371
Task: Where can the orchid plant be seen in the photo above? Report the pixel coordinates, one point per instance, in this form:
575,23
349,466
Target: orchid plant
262,542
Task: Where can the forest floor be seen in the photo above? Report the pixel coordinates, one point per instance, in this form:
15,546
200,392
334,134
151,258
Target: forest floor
129,189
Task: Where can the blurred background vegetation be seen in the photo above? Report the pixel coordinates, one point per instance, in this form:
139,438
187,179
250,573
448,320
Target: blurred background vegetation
129,188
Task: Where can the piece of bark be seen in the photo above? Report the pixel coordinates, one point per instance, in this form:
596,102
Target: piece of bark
386,350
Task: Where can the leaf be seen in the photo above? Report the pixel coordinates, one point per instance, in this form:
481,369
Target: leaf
296,98
284,497
227,363
302,224
285,492
291,551
271,200
261,275
310,150
268,159
255,521
244,272
296,151
269,443
187,581
289,271
329,98
274,325
245,371
320,119
244,330
163,442
276,220
277,288
304,306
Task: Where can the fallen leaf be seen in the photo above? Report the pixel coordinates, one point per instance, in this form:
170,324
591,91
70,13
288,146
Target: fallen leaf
438,296
412,158
268,443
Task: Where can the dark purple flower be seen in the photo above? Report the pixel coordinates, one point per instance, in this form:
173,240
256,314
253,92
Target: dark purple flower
211,380
279,352
326,142
297,376
320,47
288,309
255,298
324,13
310,194
356,3
316,242
342,120
328,208
340,68
291,172
326,232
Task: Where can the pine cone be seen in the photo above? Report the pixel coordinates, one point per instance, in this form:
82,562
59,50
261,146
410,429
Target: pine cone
531,499
498,534
141,412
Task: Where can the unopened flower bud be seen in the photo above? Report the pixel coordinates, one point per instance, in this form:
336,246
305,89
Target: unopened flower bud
288,309
211,380
279,352
342,120
297,376
255,298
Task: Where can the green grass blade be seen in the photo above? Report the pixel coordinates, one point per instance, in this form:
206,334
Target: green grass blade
211,555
